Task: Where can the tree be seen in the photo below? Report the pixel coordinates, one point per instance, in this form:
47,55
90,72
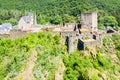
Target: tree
57,20
107,21
12,20
110,21
68,19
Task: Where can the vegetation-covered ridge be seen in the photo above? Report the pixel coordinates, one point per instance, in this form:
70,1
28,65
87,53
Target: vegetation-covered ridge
94,64
16,56
60,11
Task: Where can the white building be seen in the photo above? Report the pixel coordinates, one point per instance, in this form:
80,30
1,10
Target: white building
5,28
26,22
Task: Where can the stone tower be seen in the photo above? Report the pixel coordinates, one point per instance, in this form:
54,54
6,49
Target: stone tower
89,21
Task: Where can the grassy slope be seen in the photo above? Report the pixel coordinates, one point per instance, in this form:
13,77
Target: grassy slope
101,63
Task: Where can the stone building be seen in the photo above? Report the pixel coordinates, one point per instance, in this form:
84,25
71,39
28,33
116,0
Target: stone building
26,22
5,28
89,21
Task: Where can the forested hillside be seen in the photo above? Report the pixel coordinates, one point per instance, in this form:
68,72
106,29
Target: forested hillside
44,56
59,11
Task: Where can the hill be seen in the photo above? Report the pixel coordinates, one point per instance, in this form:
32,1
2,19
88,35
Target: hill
57,11
44,56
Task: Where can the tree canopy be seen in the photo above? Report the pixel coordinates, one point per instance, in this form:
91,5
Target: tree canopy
57,11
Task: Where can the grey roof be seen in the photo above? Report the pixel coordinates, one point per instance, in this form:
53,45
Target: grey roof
7,25
27,19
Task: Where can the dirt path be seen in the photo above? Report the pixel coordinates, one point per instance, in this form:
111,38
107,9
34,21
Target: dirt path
59,73
26,74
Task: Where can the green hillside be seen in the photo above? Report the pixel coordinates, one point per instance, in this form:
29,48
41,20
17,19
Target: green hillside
58,11
44,56
48,57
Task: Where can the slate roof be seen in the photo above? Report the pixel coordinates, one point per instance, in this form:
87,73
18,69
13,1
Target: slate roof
27,19
6,26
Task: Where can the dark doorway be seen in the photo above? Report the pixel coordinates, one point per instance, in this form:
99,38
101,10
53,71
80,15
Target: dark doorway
80,45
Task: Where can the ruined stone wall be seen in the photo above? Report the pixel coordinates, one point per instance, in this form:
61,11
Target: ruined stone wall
75,42
68,33
92,44
4,35
17,33
69,25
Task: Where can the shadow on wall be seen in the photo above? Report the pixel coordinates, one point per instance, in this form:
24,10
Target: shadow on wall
80,45
66,43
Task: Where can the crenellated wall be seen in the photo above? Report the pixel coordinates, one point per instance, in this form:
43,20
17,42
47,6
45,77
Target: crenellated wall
80,42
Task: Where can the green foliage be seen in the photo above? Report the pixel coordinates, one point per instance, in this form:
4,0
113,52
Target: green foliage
116,40
110,21
68,19
57,11
56,20
94,77
78,64
48,57
15,52
107,21
87,37
12,57
77,68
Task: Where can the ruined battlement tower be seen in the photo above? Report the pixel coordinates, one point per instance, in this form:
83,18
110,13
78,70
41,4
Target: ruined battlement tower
89,21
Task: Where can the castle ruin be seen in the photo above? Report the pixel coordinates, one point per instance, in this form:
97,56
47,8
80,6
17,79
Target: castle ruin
79,36
89,21
88,35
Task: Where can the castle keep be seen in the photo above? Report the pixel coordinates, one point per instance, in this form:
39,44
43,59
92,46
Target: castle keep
88,35
89,21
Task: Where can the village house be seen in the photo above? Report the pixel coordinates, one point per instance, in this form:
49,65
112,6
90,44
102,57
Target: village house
26,22
5,28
